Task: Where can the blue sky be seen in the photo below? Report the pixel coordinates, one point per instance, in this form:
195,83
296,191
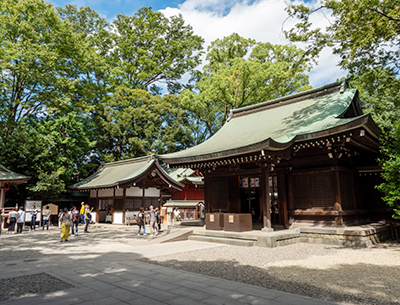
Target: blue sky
262,20
110,8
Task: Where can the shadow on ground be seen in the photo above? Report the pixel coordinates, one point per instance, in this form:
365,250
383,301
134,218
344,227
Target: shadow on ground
379,281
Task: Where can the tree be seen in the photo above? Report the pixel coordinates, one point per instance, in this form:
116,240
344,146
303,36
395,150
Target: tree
41,60
231,81
53,151
137,123
366,35
149,48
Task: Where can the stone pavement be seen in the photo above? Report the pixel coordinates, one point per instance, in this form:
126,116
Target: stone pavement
117,277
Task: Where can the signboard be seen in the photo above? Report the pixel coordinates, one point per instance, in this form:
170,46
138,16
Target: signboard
211,217
245,182
231,218
29,208
257,182
169,209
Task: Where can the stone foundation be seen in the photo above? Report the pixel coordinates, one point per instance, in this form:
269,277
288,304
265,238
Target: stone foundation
362,236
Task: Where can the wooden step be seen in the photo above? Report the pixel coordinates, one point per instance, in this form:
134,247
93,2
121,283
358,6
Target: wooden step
222,240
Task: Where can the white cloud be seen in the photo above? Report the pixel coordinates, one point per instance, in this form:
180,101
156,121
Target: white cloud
261,20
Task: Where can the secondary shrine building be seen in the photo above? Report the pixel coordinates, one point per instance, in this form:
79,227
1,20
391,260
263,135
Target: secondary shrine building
308,158
119,189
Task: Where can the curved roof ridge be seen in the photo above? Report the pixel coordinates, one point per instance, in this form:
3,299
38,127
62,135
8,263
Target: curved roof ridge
342,84
128,161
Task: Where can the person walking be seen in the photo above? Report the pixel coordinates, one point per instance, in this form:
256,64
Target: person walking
46,217
20,220
153,219
158,218
140,221
13,219
66,223
33,218
82,212
75,221
88,218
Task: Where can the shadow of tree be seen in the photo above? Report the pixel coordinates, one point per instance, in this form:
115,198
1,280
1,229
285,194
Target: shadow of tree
370,284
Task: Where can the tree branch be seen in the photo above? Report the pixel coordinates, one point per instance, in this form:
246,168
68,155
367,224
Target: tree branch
387,16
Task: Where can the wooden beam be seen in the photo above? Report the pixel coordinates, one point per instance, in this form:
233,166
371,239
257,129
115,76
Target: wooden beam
265,199
282,197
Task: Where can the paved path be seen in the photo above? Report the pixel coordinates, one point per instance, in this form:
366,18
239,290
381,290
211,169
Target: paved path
117,277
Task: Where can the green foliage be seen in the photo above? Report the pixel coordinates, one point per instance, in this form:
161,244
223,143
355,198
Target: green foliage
390,162
365,33
137,123
43,59
53,151
231,81
149,48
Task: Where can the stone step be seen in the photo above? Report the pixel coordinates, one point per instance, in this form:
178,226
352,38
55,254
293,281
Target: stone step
222,240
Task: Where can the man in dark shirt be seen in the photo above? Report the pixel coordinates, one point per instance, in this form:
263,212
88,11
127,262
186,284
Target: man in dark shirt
46,217
33,219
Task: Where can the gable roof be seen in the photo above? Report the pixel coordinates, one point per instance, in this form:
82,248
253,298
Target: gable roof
182,174
276,124
9,176
128,173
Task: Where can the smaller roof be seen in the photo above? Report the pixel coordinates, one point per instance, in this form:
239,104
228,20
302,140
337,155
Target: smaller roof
183,203
8,176
142,172
182,174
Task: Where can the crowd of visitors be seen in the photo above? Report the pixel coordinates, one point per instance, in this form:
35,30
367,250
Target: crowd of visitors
69,219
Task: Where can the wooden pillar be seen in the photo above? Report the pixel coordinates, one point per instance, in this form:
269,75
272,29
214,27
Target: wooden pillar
282,197
97,206
265,199
207,194
143,190
338,198
2,195
123,205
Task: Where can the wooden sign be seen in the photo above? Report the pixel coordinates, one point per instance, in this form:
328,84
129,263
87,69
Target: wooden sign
231,218
211,218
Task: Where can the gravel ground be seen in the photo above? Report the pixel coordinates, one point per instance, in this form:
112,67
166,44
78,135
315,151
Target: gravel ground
343,275
30,285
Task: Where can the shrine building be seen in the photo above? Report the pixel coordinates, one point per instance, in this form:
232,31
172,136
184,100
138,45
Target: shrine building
307,158
119,189
8,178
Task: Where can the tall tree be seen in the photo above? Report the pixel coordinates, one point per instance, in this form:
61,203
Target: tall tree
365,33
240,73
150,48
137,123
42,60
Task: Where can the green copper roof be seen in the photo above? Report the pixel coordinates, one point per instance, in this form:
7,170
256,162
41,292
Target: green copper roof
182,203
120,173
274,125
9,176
182,174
